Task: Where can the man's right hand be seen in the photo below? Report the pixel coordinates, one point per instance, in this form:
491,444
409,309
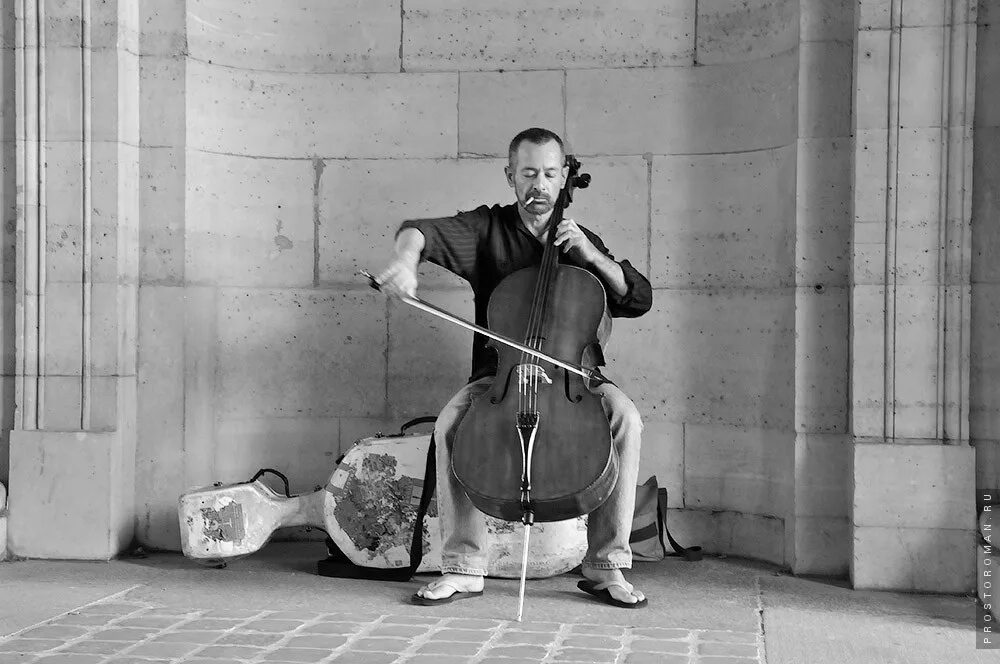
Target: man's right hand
399,278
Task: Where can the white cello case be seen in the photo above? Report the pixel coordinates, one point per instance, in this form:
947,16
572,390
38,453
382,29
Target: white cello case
368,508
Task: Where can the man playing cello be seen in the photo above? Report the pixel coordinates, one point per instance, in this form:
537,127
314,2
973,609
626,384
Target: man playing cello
483,246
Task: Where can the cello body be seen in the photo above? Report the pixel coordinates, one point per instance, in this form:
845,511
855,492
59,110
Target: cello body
572,464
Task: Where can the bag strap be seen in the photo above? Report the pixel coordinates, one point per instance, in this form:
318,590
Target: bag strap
430,481
415,421
275,472
338,565
691,553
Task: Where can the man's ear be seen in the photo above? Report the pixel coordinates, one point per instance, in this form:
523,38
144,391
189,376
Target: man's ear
509,174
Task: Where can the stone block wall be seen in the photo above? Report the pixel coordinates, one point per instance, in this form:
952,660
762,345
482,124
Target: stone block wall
286,143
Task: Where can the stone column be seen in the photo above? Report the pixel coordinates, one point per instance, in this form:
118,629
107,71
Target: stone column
913,468
73,445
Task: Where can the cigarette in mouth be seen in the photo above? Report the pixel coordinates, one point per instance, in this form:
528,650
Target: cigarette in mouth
529,201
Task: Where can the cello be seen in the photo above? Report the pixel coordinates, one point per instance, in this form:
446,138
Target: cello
537,445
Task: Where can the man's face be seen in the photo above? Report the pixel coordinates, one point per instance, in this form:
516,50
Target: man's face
537,171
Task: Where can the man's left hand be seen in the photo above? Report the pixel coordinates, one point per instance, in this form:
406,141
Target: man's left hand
574,242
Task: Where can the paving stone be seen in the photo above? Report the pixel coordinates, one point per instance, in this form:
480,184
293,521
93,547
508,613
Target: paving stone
159,622
15,658
438,659
535,627
235,614
136,660
70,659
358,657
399,630
296,655
386,644
727,660
130,634
225,652
29,645
729,637
656,645
602,642
506,660
96,647
219,624
76,619
111,609
450,648
586,655
526,638
163,650
728,649
64,632
538,652
272,625
328,641
410,620
186,636
202,660
597,630
350,617
304,616
250,638
177,613
331,628
661,633
477,635
656,658
473,623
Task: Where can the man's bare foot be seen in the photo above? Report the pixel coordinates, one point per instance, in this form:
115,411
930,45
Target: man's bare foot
620,589
451,583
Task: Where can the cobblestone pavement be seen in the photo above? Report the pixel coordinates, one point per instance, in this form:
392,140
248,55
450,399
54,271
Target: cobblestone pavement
121,632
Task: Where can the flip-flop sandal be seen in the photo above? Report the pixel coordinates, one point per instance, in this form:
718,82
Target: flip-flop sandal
600,591
454,597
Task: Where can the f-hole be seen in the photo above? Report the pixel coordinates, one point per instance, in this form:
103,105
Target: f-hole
569,397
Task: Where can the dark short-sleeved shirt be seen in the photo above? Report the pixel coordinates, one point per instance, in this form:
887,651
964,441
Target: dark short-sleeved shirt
486,244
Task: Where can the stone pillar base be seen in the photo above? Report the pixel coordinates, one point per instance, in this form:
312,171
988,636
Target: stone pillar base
71,495
914,517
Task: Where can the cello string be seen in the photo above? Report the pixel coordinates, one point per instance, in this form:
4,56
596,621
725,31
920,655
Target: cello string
544,287
522,387
531,335
550,261
528,386
544,275
534,325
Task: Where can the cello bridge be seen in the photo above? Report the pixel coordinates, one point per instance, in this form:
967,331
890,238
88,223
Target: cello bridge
532,374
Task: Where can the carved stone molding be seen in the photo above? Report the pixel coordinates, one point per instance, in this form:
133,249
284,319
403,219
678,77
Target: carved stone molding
913,110
76,86
30,178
